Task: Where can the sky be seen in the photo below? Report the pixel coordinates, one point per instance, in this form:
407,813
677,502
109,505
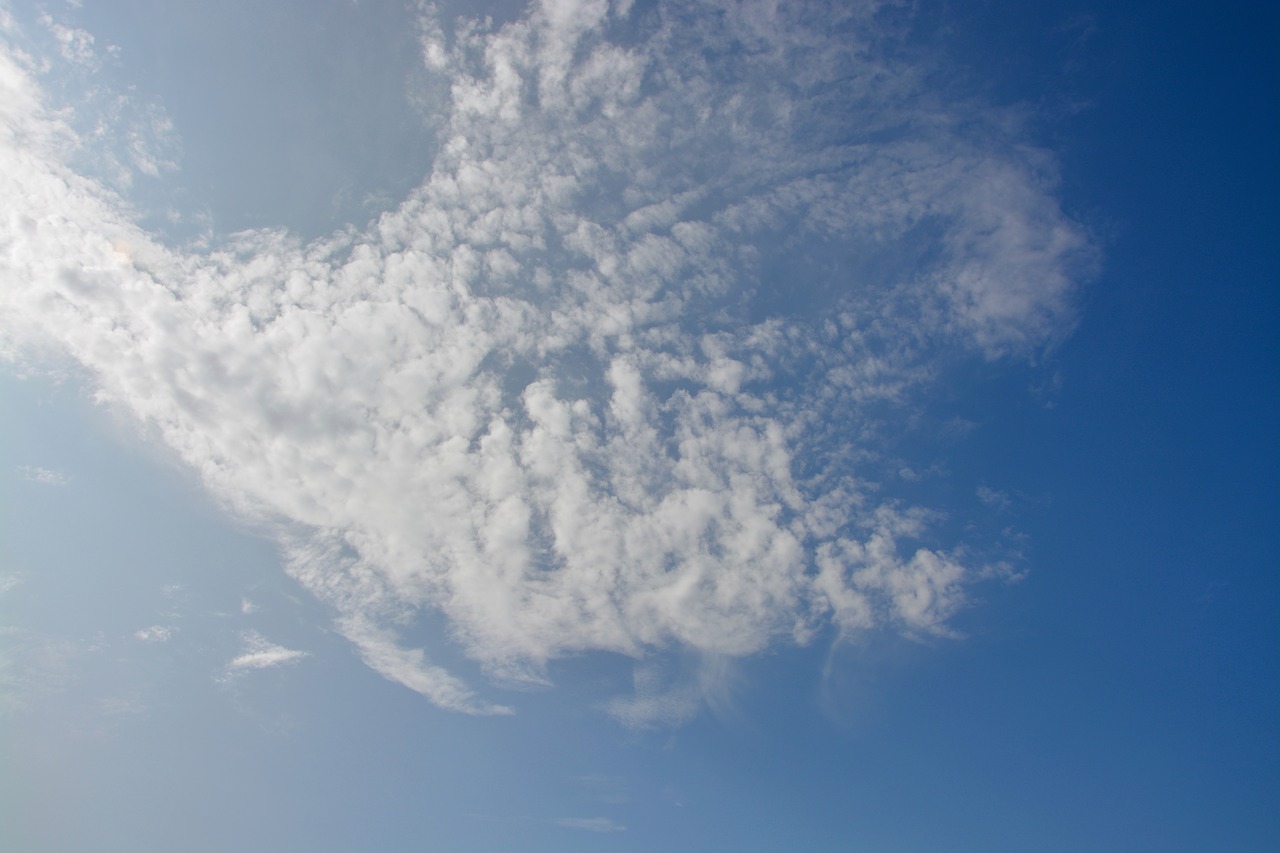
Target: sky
632,426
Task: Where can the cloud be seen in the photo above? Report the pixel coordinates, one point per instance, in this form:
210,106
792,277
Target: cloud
590,824
994,498
657,701
601,788
34,667
155,634
75,45
261,654
670,693
410,668
617,376
43,476
122,705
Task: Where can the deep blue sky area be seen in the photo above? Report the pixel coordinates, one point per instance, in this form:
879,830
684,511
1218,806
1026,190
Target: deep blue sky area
1121,692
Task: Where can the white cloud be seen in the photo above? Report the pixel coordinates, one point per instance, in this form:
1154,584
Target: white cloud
259,653
75,45
410,668
155,634
43,476
614,376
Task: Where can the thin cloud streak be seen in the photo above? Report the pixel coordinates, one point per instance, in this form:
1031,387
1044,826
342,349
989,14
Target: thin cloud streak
590,824
260,653
594,385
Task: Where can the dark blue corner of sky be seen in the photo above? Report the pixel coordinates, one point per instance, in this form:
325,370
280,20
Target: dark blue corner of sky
1151,647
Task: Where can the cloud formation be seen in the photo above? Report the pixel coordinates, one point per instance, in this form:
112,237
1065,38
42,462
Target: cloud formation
155,634
611,378
259,653
43,476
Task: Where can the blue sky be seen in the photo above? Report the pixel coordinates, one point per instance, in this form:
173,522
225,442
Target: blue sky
655,426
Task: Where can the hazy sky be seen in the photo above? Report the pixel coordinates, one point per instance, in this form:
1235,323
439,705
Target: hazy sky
638,426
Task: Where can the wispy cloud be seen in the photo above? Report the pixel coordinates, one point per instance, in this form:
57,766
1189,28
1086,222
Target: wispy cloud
602,788
122,706
155,634
615,376
43,476
590,824
994,498
34,667
75,45
259,653
410,667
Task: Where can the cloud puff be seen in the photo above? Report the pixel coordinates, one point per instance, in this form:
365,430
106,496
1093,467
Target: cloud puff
615,376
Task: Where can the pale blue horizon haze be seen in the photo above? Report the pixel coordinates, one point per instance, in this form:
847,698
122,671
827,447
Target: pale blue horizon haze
639,426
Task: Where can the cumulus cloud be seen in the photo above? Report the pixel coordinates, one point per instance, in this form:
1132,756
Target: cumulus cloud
614,377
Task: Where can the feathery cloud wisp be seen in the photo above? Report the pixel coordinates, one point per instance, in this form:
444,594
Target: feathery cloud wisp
259,653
